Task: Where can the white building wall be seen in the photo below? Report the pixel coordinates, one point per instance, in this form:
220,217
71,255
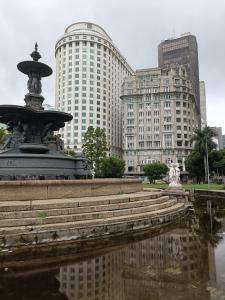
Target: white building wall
89,74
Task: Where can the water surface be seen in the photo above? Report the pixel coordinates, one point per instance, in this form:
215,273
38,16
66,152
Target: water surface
184,262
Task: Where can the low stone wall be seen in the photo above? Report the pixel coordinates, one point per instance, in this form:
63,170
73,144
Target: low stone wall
59,189
181,195
210,195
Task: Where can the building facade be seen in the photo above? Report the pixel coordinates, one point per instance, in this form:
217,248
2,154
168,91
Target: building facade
47,106
89,74
218,139
223,139
159,115
182,51
203,104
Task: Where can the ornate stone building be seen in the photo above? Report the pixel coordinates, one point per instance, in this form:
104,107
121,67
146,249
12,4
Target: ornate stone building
159,115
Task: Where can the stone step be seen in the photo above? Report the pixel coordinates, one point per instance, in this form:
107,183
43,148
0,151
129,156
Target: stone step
84,216
43,213
13,206
48,229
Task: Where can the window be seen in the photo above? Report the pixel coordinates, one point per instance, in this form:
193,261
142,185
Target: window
167,119
167,127
167,104
168,140
156,144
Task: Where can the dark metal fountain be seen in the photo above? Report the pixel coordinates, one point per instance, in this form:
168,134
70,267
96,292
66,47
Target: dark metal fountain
32,150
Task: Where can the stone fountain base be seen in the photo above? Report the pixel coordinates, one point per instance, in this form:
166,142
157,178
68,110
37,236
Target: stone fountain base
51,165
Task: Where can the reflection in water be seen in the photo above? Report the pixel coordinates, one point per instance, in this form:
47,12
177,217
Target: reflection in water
211,215
174,265
40,286
169,266
98,278
187,262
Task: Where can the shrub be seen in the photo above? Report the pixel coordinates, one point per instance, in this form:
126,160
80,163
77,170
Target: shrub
113,167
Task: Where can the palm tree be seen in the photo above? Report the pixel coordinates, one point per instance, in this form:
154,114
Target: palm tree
203,143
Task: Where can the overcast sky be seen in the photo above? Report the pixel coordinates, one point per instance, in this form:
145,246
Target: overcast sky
135,26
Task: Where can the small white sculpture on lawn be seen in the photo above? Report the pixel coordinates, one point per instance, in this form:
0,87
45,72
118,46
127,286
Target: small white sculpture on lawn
174,176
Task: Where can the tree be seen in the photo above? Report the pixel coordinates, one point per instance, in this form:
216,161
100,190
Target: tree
195,165
3,133
113,167
203,137
203,143
217,159
94,149
155,171
70,152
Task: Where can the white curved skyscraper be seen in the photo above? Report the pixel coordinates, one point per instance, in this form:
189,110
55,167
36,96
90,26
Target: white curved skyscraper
89,74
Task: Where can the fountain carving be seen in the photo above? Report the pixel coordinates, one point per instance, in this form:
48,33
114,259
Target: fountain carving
31,149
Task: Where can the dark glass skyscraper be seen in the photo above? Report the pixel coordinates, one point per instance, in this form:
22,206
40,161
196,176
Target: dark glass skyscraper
182,51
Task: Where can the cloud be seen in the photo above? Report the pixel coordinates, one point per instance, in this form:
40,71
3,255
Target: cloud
135,26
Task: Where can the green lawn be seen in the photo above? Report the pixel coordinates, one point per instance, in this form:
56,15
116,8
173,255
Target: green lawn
211,186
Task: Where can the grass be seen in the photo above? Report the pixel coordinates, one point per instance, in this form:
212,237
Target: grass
189,186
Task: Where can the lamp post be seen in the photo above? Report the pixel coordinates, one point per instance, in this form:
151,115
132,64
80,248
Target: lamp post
207,160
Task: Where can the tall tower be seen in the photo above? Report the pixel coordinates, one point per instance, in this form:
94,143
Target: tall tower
89,74
182,51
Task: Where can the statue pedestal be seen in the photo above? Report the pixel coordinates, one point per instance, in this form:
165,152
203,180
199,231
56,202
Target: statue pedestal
176,191
175,186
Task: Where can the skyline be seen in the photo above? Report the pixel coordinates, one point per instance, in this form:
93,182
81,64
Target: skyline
136,34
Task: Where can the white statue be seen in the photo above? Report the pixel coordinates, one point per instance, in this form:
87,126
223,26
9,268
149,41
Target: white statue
93,171
174,176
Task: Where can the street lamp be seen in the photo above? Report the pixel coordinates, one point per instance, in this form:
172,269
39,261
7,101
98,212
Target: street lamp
207,159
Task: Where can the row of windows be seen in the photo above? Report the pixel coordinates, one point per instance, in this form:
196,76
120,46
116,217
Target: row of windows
164,83
99,46
167,104
131,121
167,127
156,144
83,62
77,70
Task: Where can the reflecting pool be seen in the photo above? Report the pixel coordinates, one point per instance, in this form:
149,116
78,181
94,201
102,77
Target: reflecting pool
186,261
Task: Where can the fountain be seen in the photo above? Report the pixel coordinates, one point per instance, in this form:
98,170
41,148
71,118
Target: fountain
32,150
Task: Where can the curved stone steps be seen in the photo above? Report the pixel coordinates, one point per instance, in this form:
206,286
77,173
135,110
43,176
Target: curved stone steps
44,219
74,230
27,205
26,222
80,209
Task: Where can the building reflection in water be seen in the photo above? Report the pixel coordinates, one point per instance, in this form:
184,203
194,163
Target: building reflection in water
169,266
173,265
98,278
